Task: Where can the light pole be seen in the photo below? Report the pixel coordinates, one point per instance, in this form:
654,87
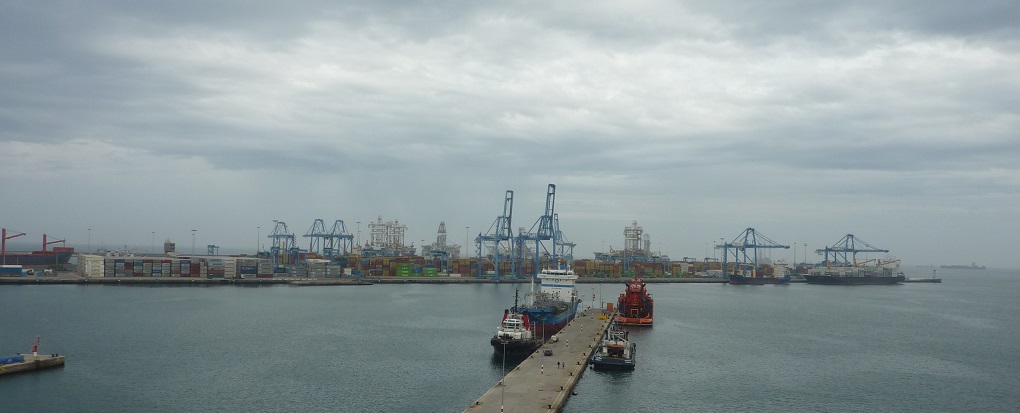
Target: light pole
805,252
501,387
359,233
153,247
466,229
258,239
193,241
90,241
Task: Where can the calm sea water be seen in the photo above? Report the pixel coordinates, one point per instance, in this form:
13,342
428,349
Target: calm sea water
948,347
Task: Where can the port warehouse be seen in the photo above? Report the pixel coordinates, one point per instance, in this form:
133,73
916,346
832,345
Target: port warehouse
353,265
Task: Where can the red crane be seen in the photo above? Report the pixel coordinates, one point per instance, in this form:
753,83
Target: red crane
45,242
3,244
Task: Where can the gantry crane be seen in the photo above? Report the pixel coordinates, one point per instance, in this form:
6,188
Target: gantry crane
844,252
283,245
744,251
499,238
329,243
565,248
543,230
340,242
317,236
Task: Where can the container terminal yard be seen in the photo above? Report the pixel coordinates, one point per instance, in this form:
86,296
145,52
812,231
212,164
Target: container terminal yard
335,253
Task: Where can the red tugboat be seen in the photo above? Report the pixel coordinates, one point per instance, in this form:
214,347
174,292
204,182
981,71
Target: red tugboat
635,305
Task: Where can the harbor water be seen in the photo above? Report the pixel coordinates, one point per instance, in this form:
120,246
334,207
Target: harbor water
398,348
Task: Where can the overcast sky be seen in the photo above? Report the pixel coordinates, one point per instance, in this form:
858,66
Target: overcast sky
894,120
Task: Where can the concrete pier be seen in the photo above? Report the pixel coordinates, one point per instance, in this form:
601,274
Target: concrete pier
537,385
32,363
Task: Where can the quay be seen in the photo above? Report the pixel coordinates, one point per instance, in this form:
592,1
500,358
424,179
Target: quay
32,363
537,385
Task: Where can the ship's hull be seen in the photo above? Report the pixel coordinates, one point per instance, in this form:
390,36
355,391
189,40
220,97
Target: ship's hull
37,258
599,362
547,321
511,347
635,306
742,280
613,364
835,280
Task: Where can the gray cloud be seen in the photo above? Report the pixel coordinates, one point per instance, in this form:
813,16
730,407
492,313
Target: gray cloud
696,118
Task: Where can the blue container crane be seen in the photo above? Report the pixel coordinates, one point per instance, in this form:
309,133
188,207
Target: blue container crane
499,237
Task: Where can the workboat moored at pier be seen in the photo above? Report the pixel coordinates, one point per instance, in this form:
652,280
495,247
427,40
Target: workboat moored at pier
515,336
635,305
615,351
554,305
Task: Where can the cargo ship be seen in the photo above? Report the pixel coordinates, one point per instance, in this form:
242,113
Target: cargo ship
515,336
841,266
972,266
883,272
615,351
56,256
635,305
554,305
748,275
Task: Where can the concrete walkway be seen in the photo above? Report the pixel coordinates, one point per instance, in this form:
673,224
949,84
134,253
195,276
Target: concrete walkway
537,384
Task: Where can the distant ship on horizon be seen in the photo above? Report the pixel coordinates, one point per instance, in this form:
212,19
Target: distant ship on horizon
972,266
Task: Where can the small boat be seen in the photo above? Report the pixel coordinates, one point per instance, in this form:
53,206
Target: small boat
615,351
635,305
515,336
